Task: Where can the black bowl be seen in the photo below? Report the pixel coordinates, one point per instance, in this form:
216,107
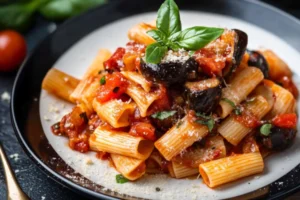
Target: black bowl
27,86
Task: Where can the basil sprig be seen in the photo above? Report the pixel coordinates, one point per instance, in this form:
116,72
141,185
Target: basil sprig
163,114
206,120
169,34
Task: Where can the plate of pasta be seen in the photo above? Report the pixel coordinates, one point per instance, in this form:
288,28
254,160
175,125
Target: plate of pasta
173,104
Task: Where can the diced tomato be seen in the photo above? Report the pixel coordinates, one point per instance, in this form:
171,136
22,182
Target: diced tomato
116,84
162,103
143,129
210,66
112,62
285,120
288,84
102,155
82,146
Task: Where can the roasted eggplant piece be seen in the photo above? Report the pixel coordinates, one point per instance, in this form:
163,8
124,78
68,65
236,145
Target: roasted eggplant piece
256,59
203,96
240,43
169,72
279,138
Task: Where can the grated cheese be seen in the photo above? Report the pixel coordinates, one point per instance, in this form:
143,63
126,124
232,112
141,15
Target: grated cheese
176,56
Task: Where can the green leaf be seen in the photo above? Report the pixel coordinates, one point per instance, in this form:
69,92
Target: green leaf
266,129
63,9
163,114
210,123
103,80
155,52
203,116
195,38
18,16
229,101
121,179
157,35
168,18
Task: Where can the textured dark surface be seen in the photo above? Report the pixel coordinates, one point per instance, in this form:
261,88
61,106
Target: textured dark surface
34,182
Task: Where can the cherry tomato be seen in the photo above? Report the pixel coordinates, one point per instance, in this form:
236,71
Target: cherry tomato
12,50
285,120
113,61
143,129
115,85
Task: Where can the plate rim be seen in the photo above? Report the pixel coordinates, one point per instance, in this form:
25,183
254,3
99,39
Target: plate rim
43,166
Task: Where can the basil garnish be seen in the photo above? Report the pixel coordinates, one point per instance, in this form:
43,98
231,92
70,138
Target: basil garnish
236,109
170,36
121,179
163,114
206,120
266,129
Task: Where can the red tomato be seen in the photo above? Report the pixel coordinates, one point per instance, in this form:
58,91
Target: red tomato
143,129
112,62
285,120
12,50
116,84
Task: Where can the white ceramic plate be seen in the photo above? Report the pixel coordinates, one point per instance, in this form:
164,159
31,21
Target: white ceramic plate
76,60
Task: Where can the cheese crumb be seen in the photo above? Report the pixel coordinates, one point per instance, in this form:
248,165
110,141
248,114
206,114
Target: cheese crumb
43,197
5,96
46,118
89,161
17,171
14,156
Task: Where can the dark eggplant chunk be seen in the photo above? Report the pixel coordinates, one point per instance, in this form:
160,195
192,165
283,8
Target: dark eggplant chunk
239,49
203,96
256,59
279,138
169,72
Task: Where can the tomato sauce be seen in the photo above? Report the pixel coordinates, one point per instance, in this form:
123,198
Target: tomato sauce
285,120
144,130
247,119
115,86
113,63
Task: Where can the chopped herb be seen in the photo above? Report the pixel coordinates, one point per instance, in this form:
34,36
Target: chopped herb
236,109
121,179
102,80
266,129
100,71
116,89
179,124
84,117
210,123
157,189
203,116
163,114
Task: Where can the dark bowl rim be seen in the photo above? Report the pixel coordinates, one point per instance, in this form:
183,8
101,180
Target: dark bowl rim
55,175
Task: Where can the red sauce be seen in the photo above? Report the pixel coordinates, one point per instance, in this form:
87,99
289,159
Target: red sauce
162,103
285,120
115,86
143,129
112,62
247,119
288,84
102,155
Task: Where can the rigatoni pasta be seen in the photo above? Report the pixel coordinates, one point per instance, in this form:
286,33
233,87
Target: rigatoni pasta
180,107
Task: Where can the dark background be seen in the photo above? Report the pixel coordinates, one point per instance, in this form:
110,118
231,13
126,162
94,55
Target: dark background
35,183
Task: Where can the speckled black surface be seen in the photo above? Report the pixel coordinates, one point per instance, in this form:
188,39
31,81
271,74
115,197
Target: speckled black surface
33,181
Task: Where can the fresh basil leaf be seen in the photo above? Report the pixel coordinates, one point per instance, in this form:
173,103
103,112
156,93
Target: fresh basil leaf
163,114
157,35
168,18
63,9
155,52
209,123
121,179
266,129
237,111
103,80
18,16
196,37
229,101
203,116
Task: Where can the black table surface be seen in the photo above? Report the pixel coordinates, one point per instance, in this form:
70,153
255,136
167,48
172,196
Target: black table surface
33,181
